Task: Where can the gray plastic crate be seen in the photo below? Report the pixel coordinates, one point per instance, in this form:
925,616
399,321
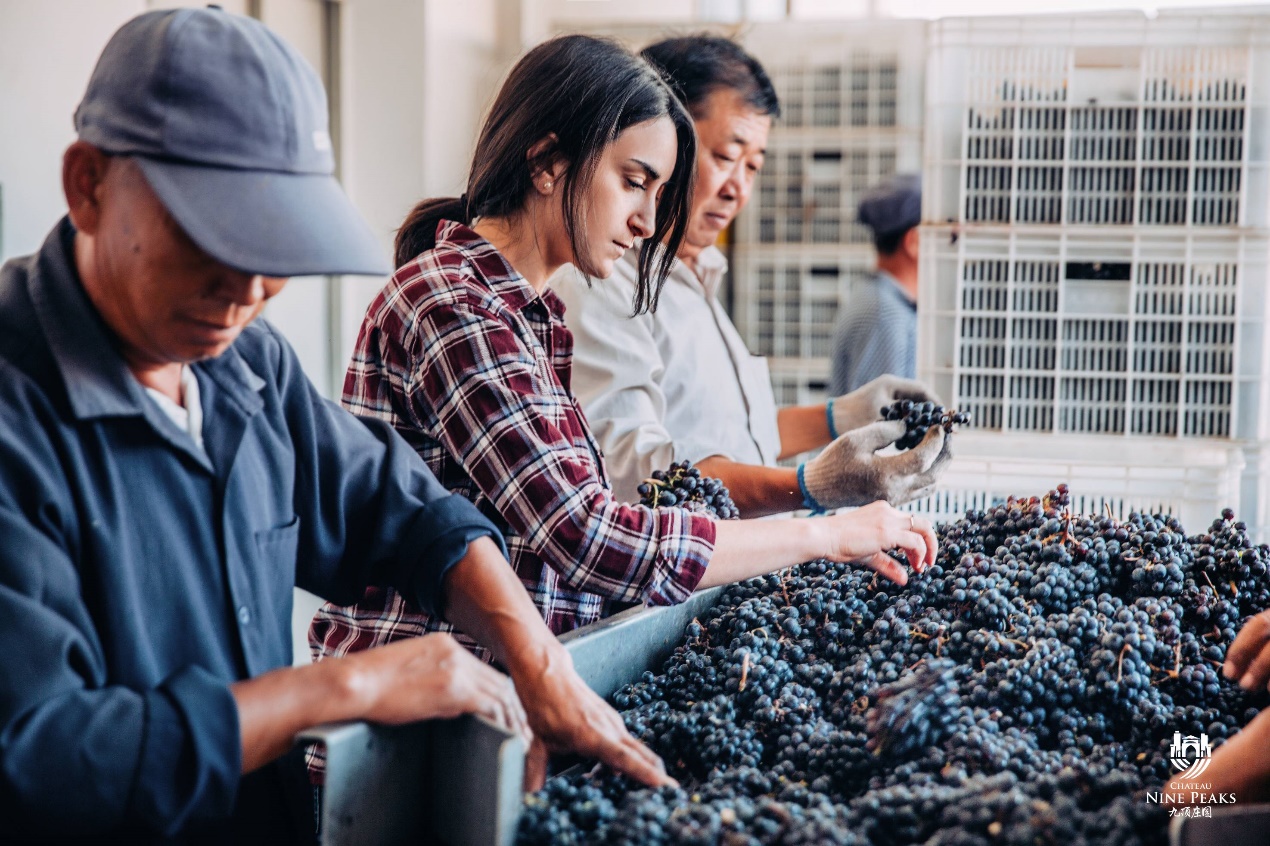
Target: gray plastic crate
458,782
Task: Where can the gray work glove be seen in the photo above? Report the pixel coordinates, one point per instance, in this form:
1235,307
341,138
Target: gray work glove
849,472
864,405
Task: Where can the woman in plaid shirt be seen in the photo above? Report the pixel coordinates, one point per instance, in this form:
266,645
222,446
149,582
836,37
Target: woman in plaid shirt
585,151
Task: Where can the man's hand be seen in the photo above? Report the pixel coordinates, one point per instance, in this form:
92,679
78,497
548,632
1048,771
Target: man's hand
419,678
1248,659
849,472
487,600
864,405
568,716
432,677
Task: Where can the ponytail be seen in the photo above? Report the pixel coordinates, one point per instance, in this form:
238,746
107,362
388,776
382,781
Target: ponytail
419,231
582,92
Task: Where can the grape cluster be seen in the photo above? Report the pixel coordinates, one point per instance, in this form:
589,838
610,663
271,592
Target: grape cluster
912,713
919,417
1024,689
683,486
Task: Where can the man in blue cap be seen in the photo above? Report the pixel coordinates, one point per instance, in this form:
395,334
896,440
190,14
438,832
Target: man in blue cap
877,333
168,474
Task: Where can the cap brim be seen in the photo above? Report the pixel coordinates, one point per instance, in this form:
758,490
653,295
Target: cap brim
274,224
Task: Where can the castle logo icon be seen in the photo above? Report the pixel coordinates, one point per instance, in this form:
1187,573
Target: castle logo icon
1190,754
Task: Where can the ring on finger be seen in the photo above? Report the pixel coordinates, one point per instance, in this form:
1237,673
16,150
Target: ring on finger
911,522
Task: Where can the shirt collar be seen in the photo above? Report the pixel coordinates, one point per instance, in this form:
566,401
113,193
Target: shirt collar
98,381
893,285
711,265
490,266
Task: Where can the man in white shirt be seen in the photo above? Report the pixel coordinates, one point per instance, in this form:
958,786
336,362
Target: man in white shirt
679,384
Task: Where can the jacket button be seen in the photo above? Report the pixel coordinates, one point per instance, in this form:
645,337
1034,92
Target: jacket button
244,615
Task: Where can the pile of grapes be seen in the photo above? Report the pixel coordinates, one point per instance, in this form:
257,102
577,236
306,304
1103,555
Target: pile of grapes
919,417
683,486
1024,690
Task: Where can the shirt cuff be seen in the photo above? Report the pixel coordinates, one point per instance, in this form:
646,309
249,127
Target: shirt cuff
682,564
191,755
440,537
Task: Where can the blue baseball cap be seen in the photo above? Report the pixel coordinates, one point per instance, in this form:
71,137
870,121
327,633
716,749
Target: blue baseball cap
892,206
228,123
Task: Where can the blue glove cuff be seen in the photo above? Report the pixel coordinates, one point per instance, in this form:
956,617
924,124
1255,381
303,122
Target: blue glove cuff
809,501
833,430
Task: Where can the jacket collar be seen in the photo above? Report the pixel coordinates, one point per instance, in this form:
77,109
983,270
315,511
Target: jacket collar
98,382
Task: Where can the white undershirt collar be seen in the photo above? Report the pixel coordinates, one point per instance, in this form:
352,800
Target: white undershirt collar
189,418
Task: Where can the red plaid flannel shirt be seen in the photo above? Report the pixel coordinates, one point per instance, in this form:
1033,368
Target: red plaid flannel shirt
472,366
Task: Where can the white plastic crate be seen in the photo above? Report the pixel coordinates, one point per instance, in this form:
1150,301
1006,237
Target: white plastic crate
808,189
799,381
836,77
786,299
1193,480
844,76
1156,332
1254,501
1100,119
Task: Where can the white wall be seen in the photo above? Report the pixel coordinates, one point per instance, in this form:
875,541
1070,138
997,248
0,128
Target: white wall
418,76
44,66
47,52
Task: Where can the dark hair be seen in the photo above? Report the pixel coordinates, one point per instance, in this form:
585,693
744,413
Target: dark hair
698,65
886,245
586,91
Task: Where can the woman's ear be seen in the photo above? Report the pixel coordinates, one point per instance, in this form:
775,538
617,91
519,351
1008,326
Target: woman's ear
83,173
546,167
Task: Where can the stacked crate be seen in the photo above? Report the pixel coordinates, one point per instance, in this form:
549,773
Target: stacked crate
1096,256
851,110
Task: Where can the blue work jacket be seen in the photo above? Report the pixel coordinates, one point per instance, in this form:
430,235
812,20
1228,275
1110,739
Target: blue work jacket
140,576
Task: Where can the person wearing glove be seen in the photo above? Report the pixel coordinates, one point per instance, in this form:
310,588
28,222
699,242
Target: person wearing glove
850,472
678,383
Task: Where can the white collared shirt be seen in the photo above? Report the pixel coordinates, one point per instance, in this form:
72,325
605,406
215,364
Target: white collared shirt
676,385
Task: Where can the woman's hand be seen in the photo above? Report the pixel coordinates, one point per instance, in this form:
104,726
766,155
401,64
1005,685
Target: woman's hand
865,534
